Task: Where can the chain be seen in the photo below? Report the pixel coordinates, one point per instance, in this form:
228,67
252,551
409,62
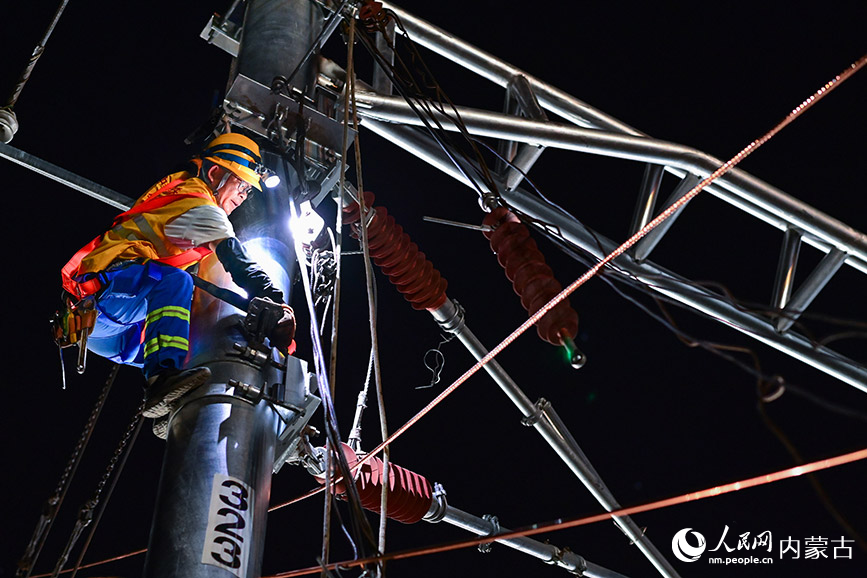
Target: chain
53,503
85,514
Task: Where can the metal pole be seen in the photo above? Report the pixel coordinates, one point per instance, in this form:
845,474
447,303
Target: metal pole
65,177
542,417
786,266
486,65
216,479
697,298
736,187
548,553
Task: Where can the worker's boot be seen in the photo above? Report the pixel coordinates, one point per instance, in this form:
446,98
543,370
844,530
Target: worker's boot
170,385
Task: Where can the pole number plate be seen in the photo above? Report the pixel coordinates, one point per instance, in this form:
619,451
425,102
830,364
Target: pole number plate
230,525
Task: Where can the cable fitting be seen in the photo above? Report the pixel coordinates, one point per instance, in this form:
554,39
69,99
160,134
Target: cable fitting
438,506
541,407
450,317
8,125
486,547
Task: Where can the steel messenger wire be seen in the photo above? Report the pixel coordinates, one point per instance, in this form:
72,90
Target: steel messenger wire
694,496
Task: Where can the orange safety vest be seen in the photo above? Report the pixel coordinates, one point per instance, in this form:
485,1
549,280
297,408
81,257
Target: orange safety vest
139,234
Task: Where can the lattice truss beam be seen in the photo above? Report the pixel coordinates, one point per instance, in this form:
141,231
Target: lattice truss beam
524,130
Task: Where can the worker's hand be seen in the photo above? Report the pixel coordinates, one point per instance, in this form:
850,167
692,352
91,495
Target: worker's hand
283,333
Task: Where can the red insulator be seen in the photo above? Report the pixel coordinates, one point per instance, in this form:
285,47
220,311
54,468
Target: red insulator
399,258
532,279
410,495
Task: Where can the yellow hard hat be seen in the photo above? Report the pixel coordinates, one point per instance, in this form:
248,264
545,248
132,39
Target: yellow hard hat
239,155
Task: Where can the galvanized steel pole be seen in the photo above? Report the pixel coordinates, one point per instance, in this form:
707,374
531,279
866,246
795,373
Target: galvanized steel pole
216,479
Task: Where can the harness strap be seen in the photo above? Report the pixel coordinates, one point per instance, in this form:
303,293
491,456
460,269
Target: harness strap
81,289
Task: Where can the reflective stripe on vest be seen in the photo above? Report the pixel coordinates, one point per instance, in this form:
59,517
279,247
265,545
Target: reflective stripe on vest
81,289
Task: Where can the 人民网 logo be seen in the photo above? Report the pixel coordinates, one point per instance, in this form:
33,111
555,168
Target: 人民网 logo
683,550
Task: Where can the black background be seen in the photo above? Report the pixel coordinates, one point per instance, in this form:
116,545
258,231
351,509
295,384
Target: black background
122,84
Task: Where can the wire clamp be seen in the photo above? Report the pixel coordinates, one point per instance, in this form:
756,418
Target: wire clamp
640,537
556,557
438,506
455,322
486,547
542,407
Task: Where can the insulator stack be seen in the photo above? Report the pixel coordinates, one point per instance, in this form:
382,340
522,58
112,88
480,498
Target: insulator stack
410,495
398,257
532,279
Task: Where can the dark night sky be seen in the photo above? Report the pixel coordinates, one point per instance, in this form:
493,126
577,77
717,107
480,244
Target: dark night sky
122,84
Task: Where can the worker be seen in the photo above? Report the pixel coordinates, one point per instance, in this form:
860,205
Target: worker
136,271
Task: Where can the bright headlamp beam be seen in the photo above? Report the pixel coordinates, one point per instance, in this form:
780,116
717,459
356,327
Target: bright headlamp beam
272,181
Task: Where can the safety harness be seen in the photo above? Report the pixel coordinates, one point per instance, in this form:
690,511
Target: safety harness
83,288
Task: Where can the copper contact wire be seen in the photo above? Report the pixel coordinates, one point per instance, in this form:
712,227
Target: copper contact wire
727,166
563,525
94,564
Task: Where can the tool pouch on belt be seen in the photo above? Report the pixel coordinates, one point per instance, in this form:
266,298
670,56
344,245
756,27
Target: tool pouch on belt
73,322
71,325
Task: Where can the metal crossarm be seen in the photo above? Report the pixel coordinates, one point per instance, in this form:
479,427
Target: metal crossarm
523,133
655,277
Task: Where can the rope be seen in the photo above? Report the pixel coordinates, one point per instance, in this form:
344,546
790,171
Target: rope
335,312
371,301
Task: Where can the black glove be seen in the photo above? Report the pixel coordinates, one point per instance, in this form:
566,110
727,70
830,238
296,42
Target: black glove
245,273
281,336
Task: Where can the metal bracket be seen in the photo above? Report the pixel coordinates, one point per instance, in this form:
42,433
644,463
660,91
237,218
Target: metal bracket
261,104
486,547
439,505
541,407
226,36
296,407
520,100
453,322
642,249
810,289
787,264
